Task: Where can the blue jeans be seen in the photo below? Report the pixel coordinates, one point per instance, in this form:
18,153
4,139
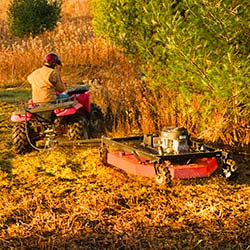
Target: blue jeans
62,96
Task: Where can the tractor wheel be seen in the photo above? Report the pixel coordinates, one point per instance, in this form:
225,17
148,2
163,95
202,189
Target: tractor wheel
19,137
163,176
78,129
96,121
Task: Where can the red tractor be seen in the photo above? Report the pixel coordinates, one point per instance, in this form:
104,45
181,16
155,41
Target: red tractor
44,125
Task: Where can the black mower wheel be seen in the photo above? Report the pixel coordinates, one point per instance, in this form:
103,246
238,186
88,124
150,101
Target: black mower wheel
163,176
103,154
19,137
77,128
96,121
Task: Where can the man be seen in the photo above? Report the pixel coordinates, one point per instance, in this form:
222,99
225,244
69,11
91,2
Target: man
46,81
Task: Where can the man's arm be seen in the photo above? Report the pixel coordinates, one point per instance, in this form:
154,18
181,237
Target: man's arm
56,80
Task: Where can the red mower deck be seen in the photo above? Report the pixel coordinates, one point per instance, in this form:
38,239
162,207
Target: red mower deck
136,156
203,167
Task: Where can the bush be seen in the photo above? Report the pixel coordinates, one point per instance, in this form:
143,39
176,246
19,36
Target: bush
33,16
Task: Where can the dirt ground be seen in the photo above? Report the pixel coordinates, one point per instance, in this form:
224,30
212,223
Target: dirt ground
67,199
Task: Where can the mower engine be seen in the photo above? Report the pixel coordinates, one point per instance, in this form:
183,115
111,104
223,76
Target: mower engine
174,141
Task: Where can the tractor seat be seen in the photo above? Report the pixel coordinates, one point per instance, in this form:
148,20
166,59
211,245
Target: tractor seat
77,90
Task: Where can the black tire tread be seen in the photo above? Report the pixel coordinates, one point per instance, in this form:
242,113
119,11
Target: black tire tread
19,138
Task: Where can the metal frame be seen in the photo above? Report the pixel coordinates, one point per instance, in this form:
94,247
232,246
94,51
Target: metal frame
152,155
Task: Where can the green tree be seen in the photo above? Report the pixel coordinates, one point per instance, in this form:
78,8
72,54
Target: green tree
189,49
33,16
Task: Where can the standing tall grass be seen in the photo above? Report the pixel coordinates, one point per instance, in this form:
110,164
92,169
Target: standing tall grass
115,81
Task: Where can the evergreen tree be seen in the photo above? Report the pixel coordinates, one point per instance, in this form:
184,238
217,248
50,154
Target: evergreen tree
33,16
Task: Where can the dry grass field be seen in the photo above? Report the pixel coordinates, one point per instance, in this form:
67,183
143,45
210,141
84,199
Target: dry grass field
67,199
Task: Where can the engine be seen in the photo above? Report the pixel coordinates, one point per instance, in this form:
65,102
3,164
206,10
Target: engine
174,140
171,140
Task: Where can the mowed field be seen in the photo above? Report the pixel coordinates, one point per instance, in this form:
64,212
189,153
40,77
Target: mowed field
67,199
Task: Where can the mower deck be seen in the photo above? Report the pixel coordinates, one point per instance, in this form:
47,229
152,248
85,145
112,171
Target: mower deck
130,155
203,167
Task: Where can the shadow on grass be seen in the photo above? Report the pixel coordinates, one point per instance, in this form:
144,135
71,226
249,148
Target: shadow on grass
5,163
6,166
189,236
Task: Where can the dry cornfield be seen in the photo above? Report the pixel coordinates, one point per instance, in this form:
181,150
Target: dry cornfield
66,198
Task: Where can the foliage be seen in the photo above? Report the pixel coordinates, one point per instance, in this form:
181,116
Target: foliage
33,16
190,48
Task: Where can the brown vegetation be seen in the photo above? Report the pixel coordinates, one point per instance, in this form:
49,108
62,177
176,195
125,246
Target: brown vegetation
66,198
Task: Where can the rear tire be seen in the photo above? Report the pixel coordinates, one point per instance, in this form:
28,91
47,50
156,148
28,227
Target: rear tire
19,138
96,121
78,128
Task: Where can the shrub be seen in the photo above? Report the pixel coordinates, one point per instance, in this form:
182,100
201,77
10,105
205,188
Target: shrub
33,16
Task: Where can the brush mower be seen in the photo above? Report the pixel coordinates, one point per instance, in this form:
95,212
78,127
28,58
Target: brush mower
169,155
43,125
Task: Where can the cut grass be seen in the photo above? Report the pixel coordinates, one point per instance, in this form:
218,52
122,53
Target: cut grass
66,199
